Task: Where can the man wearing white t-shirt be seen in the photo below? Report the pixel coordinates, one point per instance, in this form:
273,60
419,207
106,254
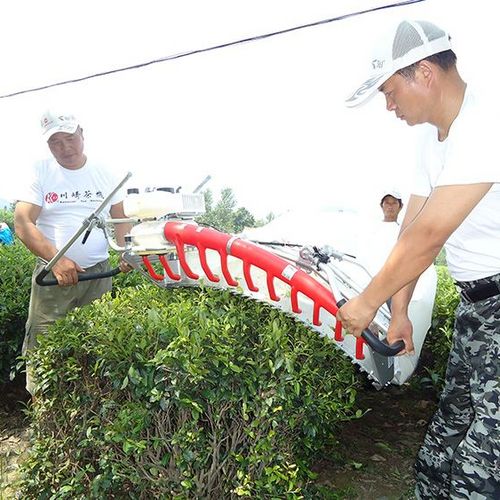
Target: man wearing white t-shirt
61,193
376,240
455,203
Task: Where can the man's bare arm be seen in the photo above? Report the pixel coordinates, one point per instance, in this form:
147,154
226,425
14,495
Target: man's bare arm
121,229
25,216
415,250
400,327
401,299
422,239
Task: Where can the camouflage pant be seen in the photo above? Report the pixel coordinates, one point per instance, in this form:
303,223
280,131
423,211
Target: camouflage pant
460,456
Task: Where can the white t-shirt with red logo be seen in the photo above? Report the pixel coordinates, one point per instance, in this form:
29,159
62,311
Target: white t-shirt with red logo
67,198
468,156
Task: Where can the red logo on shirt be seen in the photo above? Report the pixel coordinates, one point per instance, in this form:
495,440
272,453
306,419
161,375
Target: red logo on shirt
51,197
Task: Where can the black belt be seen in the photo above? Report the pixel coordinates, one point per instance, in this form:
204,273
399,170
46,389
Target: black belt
480,291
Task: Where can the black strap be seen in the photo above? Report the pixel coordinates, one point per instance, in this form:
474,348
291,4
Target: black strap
481,292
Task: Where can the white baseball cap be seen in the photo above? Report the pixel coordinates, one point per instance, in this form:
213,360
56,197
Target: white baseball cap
57,122
391,192
409,42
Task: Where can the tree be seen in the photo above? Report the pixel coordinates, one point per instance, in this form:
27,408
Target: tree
225,215
242,219
266,220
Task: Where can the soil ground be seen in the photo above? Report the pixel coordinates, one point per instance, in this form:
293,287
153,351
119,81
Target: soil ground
14,434
372,461
374,457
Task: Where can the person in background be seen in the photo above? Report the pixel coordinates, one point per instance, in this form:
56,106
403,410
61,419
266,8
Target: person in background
391,204
61,193
375,241
455,202
6,236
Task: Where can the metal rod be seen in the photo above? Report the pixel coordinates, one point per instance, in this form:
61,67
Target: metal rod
85,224
205,180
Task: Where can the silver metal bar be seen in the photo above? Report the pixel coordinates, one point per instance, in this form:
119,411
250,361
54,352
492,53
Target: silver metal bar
205,180
89,221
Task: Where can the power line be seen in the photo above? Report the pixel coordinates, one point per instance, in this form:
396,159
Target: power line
211,48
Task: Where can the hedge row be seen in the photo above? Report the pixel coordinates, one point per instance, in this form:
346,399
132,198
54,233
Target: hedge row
183,393
438,341
16,266
7,216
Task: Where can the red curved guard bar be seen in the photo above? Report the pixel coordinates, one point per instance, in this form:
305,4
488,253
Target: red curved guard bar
151,270
248,277
225,268
203,238
168,269
360,342
179,246
338,332
204,265
295,302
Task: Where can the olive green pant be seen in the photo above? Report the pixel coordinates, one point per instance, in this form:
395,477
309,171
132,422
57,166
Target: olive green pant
49,303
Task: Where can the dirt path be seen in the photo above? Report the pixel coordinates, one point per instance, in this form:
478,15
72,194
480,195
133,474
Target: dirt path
14,435
374,457
372,461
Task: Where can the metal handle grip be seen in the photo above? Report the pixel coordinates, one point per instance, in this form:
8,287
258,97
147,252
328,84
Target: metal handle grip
379,346
81,276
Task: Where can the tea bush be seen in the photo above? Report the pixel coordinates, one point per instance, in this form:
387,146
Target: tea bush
16,265
438,340
185,394
121,280
7,216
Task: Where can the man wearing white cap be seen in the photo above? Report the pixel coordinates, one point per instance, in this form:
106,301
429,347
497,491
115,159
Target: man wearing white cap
376,242
61,193
456,203
391,204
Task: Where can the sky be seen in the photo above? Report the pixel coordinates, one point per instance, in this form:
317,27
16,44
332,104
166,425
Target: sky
265,118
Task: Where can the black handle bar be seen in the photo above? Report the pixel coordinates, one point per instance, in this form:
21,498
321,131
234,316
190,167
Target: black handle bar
81,276
379,346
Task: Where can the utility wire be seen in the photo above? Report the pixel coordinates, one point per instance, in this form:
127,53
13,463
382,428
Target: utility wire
214,47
